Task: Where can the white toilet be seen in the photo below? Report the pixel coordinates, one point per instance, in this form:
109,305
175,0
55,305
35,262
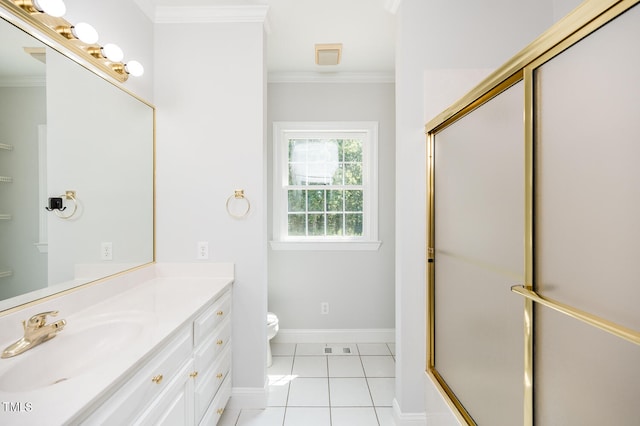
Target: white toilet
272,330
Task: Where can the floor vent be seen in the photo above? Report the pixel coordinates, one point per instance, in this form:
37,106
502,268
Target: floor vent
339,351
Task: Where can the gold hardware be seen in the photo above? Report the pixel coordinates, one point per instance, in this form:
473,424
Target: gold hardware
601,323
219,375
36,331
157,379
238,194
193,375
219,313
219,342
220,410
50,26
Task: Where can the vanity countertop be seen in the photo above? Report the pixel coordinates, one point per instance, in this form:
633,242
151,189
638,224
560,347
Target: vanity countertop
123,329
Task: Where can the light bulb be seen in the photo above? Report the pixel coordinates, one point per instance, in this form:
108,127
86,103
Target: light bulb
112,52
134,68
55,8
85,32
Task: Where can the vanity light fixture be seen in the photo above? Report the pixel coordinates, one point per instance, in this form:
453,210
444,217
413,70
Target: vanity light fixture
45,15
134,68
81,31
109,51
55,8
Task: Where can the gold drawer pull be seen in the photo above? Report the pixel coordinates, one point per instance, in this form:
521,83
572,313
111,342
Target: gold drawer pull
219,375
220,313
220,410
219,342
193,375
157,379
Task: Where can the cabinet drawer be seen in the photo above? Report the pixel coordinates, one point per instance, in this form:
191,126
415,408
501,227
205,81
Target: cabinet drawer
213,346
173,406
128,402
209,320
207,385
215,410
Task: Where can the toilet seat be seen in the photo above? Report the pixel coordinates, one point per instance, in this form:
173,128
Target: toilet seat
271,318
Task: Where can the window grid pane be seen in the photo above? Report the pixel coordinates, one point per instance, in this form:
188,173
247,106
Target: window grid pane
333,168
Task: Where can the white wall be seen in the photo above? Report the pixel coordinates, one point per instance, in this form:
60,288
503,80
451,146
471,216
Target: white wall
468,38
300,280
111,170
210,94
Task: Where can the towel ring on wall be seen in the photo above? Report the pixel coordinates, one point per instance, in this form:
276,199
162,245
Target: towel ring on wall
56,204
238,194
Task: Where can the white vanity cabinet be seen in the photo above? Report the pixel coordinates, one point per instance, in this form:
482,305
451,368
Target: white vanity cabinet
185,382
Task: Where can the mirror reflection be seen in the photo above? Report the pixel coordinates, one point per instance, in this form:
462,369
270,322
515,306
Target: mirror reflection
64,130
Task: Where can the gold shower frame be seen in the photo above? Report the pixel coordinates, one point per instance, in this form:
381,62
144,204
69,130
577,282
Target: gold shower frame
584,20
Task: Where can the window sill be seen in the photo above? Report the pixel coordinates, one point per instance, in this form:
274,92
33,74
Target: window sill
326,245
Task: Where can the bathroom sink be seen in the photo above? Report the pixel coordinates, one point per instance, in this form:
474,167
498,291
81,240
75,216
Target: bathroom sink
85,345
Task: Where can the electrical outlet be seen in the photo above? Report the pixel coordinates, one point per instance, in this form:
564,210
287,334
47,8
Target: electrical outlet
106,251
324,308
203,250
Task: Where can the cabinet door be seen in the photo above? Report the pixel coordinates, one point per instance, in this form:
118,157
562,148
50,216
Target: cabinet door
175,405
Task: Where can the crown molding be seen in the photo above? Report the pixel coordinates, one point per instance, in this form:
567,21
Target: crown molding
338,77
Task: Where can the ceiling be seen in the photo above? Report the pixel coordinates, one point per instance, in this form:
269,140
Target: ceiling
366,29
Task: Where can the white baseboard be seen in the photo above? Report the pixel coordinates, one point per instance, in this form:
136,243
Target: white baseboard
365,335
407,419
248,398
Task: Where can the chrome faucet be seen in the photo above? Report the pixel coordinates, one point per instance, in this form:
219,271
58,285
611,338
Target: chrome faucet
36,331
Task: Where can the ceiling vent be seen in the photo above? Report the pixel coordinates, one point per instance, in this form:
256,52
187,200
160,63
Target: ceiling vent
328,54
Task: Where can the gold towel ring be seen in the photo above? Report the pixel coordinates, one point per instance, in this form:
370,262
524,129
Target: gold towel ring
238,194
69,195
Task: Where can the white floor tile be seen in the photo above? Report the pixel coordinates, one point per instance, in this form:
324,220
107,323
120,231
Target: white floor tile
310,366
299,416
385,416
373,349
281,365
351,416
382,390
316,349
349,392
283,348
309,392
229,417
272,416
345,366
379,366
278,391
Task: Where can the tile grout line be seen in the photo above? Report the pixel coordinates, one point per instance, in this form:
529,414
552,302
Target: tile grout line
286,402
373,405
329,391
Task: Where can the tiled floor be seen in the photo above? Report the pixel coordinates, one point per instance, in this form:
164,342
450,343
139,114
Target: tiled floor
353,385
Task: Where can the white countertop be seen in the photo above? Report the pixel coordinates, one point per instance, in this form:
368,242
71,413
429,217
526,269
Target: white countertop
161,304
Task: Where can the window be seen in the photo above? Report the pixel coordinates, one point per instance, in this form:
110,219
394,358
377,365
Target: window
325,186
